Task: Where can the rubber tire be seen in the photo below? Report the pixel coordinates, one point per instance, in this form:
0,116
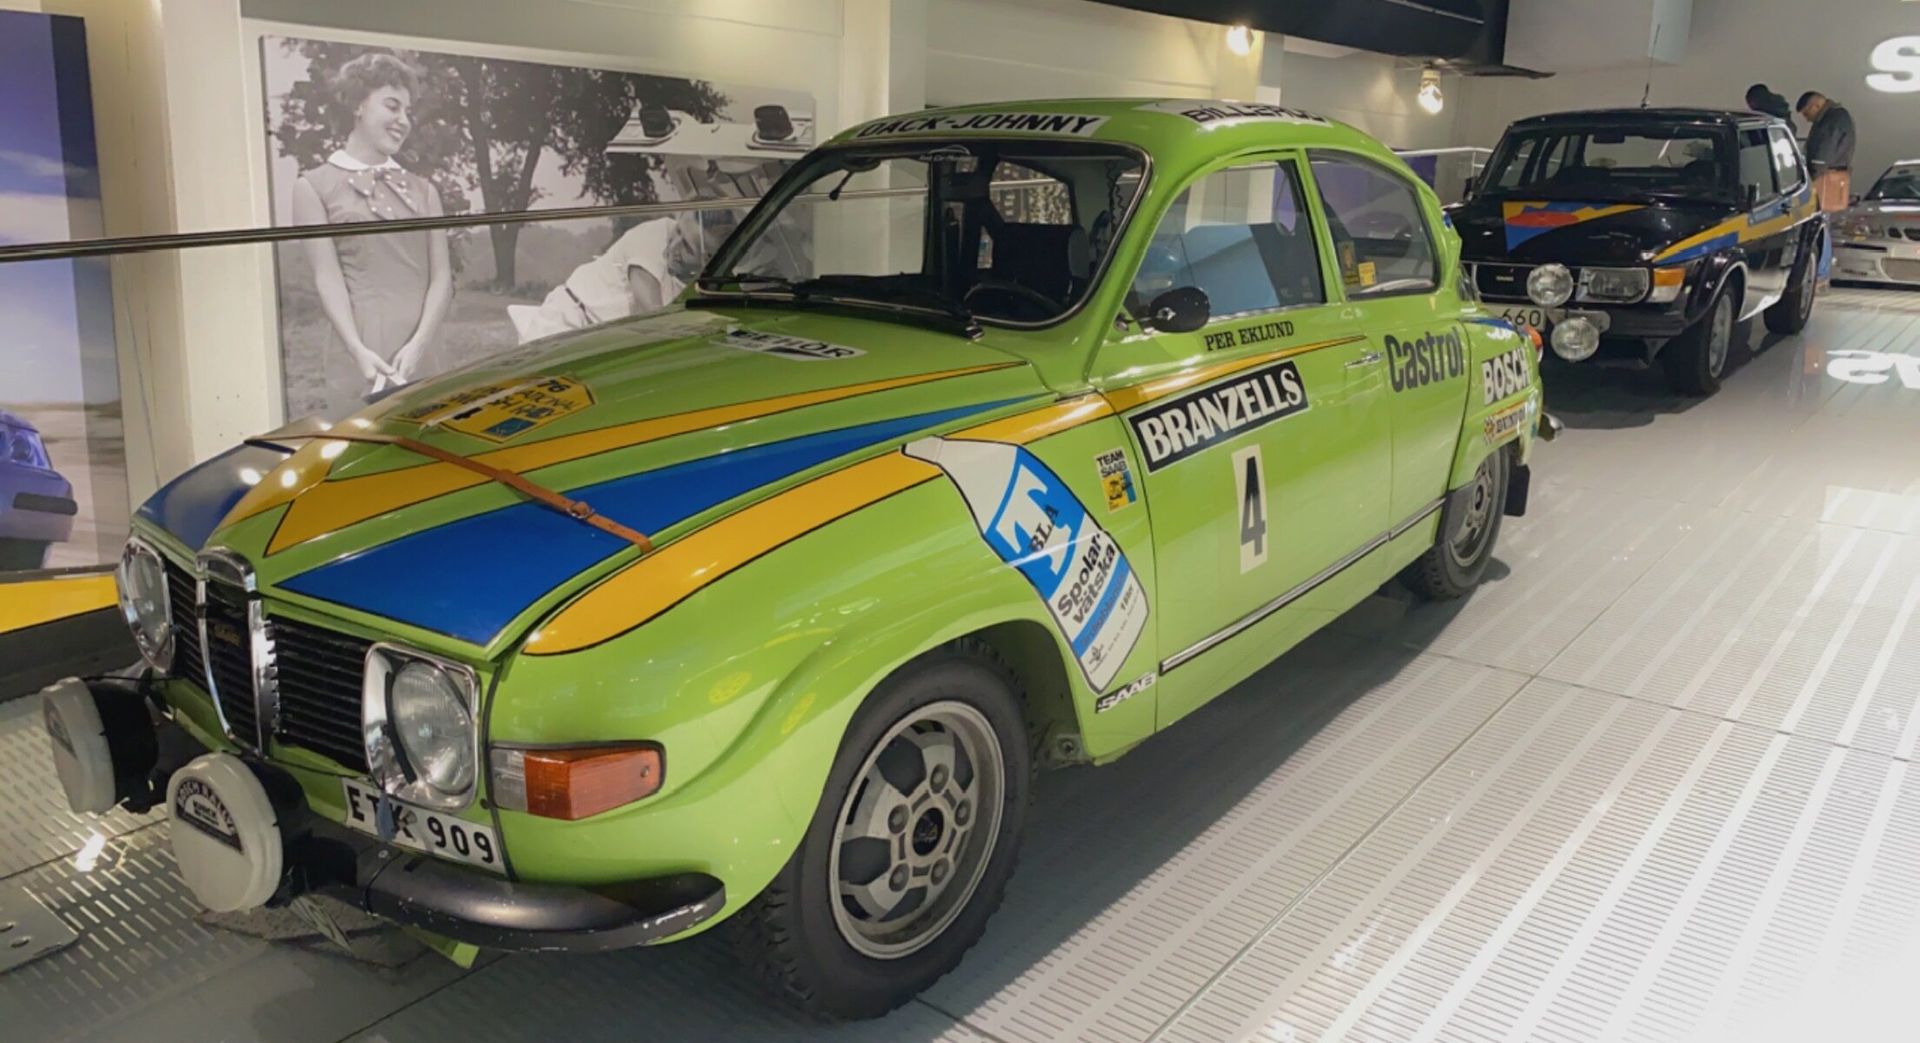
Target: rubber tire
1434,575
1686,357
786,935
1790,313
23,555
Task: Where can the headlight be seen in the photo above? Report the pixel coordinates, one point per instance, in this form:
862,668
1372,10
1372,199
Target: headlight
419,719
1613,285
142,582
1550,285
23,446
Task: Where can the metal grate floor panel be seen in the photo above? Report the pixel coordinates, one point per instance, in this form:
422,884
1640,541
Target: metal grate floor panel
1653,781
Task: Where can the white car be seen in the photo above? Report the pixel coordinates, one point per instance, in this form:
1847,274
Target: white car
1878,238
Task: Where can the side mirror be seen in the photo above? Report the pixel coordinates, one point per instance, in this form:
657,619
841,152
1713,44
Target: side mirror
1183,309
1853,200
1467,187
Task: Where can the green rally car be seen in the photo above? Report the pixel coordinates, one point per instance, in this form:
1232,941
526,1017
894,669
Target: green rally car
995,437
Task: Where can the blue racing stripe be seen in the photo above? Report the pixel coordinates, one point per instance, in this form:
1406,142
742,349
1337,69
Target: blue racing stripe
191,506
469,578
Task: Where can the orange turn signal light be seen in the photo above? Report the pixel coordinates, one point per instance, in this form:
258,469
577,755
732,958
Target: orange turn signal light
1676,276
575,782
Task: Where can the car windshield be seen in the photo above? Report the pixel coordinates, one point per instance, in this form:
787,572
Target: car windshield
1901,183
1608,163
1009,231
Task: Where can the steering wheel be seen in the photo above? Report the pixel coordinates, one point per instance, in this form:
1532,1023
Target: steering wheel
1012,289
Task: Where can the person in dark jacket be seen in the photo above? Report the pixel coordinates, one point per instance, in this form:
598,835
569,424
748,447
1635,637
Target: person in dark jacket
1762,99
1829,149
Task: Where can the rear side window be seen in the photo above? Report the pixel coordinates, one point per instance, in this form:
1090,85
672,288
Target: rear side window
1786,160
1242,237
1756,162
1380,236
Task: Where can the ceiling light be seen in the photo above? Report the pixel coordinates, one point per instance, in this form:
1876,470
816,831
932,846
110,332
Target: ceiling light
1240,40
1430,97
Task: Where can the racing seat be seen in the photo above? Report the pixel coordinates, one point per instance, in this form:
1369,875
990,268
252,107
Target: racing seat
1051,259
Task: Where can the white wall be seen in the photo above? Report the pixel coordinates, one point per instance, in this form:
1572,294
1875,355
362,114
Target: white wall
1791,45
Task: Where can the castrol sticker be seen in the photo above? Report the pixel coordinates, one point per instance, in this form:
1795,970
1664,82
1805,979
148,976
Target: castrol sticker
1034,522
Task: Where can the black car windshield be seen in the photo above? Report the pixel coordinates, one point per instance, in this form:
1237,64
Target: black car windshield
1608,163
1901,183
1011,231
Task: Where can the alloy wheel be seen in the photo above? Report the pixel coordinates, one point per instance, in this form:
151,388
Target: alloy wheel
1476,518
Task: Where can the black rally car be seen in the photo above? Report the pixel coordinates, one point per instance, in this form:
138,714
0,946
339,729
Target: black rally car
1645,233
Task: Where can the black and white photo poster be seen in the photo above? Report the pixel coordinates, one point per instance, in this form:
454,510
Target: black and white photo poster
358,132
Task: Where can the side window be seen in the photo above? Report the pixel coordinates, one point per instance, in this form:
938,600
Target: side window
1380,236
1756,162
1242,237
1786,160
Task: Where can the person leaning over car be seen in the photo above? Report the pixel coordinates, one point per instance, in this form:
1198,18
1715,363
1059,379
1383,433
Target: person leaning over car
1761,98
1829,147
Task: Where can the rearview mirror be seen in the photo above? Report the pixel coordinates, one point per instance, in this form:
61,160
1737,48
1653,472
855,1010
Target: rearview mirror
1182,309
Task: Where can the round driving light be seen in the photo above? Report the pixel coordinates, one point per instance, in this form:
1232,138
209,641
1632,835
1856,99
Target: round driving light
141,580
1576,339
435,729
1550,285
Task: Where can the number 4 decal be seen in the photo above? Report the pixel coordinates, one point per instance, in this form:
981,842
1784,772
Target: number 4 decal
1250,488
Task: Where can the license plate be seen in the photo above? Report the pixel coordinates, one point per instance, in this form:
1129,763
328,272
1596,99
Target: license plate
418,829
1538,318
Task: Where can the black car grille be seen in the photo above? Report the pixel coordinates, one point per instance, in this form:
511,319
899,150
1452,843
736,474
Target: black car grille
1506,282
229,657
317,673
312,673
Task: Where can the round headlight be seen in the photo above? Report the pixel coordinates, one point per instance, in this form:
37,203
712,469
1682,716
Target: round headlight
142,582
1550,285
1576,339
435,729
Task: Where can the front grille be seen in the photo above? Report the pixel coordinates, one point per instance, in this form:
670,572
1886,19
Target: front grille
184,598
229,657
1506,282
317,674
1901,268
1912,232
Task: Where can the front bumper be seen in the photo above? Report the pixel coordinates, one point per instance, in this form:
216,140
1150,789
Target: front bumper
37,507
1884,261
126,752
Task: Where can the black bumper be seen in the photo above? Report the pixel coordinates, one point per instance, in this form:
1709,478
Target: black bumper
481,909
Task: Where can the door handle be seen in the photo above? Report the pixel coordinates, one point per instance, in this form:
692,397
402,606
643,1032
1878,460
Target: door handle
1368,359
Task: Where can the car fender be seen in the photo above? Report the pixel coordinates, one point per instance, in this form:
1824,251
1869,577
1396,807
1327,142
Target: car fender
1494,419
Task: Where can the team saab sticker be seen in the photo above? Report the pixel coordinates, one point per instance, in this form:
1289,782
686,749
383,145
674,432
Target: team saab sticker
498,412
1029,517
1116,478
1126,691
1503,375
1173,430
1221,112
797,348
196,804
1501,426
1245,335
1070,124
1430,359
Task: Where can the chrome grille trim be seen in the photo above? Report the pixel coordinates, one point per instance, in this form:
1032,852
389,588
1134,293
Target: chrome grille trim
242,690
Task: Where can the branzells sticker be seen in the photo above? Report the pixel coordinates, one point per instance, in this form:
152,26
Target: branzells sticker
797,348
1070,124
1173,430
1222,112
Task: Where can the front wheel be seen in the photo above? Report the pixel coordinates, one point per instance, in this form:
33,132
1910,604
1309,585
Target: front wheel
1469,525
911,847
1696,359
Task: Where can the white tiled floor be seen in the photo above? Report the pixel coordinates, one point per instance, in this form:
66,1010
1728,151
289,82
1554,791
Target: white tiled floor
1650,782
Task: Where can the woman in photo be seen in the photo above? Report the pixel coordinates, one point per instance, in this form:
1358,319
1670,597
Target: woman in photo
383,295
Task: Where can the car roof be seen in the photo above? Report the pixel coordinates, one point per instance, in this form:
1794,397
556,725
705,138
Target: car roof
1175,132
1651,116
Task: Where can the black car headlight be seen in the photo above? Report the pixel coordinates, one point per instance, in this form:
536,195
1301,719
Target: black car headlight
141,580
418,713
1613,285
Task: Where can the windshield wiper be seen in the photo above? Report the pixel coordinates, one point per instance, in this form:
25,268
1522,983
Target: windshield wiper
742,282
828,288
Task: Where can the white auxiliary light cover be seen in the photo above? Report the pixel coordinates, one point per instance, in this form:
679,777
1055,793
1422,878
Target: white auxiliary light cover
1576,339
80,754
226,835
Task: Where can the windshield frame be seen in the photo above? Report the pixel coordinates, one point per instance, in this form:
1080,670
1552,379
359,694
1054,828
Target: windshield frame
794,181
1719,133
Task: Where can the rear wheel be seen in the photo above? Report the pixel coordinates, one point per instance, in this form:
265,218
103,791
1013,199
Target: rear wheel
1695,360
1469,526
1790,313
911,847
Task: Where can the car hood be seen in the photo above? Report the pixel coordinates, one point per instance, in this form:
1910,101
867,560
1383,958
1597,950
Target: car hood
659,424
1580,233
1907,210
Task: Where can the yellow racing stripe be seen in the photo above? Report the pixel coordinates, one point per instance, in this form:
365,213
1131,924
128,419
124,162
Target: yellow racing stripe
321,507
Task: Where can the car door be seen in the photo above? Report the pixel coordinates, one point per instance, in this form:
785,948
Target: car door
1764,242
1388,257
1262,433
1796,193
